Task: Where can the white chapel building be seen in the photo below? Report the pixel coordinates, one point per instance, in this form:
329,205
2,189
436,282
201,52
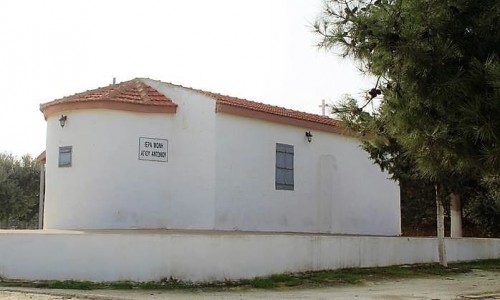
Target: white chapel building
145,154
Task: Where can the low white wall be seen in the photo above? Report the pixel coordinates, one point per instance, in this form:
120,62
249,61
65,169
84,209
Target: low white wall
145,255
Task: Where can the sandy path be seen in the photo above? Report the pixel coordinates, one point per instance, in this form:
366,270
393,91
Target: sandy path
478,282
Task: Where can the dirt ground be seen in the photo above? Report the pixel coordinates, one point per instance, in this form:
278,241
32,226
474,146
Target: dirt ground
475,285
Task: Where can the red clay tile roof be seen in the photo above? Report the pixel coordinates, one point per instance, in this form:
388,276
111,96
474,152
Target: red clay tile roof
271,109
134,92
42,157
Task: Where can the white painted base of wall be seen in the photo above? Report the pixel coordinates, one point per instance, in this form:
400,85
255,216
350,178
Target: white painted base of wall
147,255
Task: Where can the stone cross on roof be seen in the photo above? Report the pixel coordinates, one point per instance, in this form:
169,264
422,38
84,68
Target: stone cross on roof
323,107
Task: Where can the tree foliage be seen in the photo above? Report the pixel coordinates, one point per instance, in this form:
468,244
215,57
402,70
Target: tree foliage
19,191
438,72
438,78
483,208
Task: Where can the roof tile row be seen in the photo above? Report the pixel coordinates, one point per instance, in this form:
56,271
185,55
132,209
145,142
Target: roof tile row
136,91
132,91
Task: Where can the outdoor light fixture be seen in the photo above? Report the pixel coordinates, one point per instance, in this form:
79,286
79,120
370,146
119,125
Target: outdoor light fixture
62,120
309,136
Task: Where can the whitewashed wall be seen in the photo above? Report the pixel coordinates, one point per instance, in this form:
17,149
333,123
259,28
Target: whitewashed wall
220,174
204,256
107,186
337,188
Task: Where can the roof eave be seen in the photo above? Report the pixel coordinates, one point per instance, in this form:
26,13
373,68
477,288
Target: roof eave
49,109
222,107
42,157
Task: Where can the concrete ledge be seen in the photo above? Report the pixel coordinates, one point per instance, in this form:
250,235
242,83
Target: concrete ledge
145,255
168,231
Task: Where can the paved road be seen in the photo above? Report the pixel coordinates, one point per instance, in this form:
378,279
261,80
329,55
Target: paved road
483,285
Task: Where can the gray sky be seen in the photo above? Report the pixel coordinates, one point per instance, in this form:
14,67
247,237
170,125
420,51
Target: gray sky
261,50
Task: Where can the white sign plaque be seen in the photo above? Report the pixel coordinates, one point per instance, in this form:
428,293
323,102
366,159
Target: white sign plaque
153,149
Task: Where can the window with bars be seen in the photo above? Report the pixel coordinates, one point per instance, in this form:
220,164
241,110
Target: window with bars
65,156
284,167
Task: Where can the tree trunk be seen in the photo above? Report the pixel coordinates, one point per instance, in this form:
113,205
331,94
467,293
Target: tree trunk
440,230
455,216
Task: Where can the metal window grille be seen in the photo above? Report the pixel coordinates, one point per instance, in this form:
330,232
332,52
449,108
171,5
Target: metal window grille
65,154
284,167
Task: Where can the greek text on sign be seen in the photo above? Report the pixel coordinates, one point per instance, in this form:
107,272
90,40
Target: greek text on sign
153,149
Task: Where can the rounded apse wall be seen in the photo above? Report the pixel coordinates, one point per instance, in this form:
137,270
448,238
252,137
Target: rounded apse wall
118,175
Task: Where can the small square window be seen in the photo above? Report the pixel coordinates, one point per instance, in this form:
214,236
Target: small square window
65,156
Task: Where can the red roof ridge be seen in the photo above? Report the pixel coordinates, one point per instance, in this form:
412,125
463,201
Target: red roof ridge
230,100
126,95
138,95
261,107
111,90
262,103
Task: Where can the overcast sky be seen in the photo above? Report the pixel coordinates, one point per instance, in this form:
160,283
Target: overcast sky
261,50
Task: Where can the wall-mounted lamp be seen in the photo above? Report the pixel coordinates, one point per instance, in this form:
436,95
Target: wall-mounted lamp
62,120
309,136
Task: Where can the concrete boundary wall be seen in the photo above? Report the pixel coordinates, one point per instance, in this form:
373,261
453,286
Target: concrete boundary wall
146,255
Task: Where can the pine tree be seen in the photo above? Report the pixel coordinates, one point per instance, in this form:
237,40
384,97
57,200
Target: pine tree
438,76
